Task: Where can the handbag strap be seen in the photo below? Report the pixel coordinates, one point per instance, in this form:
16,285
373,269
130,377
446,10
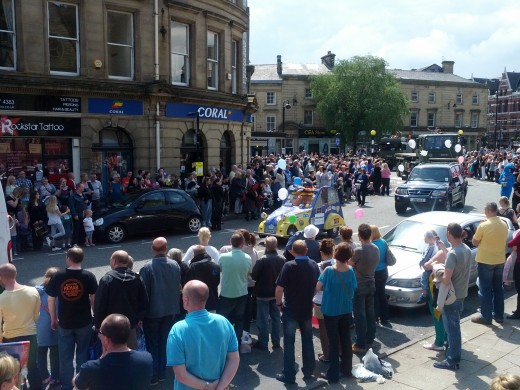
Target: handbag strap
336,272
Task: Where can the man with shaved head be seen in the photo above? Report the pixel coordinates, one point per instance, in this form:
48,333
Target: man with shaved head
162,280
19,312
121,291
202,349
203,268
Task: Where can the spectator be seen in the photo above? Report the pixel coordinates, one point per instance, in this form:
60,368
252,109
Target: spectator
54,221
204,236
202,349
9,371
203,268
308,234
296,284
71,297
217,194
78,203
26,184
116,189
265,272
88,225
206,201
380,276
385,179
345,235
63,192
505,382
46,189
119,368
96,190
10,185
37,215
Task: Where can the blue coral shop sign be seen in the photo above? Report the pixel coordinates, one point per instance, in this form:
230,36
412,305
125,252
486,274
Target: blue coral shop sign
205,112
115,106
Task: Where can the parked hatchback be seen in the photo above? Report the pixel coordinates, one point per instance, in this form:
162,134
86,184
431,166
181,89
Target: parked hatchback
149,211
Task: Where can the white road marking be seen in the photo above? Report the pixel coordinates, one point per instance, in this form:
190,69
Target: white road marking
108,247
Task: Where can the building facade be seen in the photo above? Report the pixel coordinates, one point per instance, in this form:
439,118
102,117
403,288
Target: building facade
123,85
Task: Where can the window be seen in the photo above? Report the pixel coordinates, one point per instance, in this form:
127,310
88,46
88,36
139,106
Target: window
180,53
308,117
270,98
458,119
431,119
308,93
474,100
234,67
7,35
414,119
253,122
431,97
474,120
152,201
415,97
270,123
120,45
63,38
459,99
212,60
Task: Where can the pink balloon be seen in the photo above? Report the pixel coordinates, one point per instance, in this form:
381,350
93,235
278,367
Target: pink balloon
461,159
359,213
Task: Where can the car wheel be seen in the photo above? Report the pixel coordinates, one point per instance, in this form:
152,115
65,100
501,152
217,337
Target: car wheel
292,231
333,233
116,233
194,223
400,209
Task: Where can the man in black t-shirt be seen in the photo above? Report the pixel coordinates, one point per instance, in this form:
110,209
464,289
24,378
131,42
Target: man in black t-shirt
119,368
203,268
296,283
74,288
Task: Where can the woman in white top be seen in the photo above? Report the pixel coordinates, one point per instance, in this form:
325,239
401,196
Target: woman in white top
54,217
204,237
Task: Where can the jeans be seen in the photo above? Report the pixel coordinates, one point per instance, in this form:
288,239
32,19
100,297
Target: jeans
57,230
206,209
451,319
425,277
361,195
33,374
381,302
156,332
249,310
338,329
386,186
490,291
516,278
234,310
54,360
265,311
290,324
71,340
364,317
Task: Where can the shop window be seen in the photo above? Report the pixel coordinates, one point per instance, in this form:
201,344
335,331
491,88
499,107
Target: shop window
63,38
120,45
180,54
7,35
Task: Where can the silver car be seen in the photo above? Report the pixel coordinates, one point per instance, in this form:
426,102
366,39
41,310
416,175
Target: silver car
406,240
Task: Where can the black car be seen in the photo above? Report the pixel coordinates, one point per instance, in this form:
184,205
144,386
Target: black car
149,211
432,187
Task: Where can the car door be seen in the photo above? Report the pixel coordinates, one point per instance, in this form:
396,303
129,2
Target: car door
470,230
150,214
456,184
178,209
318,210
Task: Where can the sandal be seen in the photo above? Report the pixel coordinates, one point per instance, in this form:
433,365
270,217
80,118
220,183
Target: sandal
321,358
433,347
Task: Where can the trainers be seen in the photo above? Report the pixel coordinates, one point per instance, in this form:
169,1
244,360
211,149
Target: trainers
445,365
422,299
48,240
92,244
478,319
514,316
356,349
433,347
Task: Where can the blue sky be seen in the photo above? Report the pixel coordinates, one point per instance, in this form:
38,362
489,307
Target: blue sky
482,37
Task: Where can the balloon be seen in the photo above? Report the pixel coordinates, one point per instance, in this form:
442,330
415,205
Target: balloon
461,159
359,213
447,143
283,193
401,168
282,164
412,143
297,181
424,153
292,218
458,148
263,215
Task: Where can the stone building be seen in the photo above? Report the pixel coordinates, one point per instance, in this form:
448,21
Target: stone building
123,85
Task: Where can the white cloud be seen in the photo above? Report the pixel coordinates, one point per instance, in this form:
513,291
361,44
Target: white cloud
481,37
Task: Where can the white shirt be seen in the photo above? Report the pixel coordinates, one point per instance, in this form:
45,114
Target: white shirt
210,250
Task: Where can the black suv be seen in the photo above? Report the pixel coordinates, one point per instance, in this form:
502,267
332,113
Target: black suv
432,186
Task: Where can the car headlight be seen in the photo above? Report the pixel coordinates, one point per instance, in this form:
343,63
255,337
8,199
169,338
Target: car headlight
439,193
98,222
401,191
404,283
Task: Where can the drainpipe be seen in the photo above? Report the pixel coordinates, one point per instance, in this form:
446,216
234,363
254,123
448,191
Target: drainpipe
156,39
157,136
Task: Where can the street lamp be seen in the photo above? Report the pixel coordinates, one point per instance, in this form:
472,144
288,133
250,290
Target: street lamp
373,134
196,113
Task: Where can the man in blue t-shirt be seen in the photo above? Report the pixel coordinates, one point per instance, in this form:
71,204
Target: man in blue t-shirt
203,348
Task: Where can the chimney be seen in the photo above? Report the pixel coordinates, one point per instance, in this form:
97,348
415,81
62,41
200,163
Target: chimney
447,66
328,60
279,65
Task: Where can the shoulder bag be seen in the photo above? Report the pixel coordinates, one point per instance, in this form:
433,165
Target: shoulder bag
390,257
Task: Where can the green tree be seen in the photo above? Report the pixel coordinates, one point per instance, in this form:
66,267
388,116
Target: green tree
359,94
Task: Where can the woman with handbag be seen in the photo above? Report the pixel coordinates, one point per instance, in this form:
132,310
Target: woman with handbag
338,284
38,218
386,258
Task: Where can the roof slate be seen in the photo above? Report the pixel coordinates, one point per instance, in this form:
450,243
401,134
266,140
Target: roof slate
267,72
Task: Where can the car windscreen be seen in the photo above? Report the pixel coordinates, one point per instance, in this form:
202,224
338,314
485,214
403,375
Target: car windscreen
410,235
128,199
430,174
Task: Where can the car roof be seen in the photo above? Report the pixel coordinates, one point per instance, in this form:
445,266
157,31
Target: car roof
445,217
437,165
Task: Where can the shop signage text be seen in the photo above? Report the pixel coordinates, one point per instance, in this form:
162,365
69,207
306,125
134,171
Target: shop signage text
115,106
17,102
30,127
204,112
313,133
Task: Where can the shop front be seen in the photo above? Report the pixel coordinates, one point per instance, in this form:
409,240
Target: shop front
265,143
319,141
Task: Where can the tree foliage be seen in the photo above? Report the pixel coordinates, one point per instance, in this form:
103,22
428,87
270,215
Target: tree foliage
360,95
